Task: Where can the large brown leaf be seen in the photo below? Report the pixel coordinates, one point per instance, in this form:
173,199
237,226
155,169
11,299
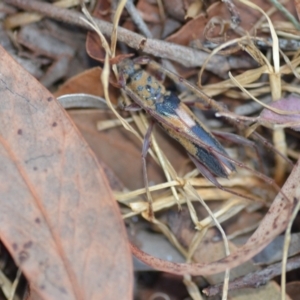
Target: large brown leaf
58,217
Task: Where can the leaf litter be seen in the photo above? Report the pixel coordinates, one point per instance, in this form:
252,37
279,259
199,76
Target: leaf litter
254,80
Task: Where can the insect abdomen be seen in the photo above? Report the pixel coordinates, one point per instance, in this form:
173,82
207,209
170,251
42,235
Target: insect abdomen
207,158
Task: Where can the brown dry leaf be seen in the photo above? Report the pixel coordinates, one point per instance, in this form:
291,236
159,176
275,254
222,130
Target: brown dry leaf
177,8
149,12
95,50
87,82
293,289
102,11
58,217
94,47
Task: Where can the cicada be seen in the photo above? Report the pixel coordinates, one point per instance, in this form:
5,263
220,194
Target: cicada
176,119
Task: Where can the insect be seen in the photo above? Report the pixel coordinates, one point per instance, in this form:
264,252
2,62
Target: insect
176,119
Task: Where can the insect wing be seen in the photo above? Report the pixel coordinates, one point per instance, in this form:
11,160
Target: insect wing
177,119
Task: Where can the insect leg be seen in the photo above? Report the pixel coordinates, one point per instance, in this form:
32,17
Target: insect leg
271,147
122,82
265,178
122,79
146,146
209,176
131,107
238,119
141,60
240,140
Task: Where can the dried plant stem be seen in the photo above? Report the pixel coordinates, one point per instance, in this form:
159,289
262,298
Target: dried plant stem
184,55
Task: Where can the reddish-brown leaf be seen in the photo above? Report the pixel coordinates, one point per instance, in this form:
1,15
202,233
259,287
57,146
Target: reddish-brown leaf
87,82
58,217
293,289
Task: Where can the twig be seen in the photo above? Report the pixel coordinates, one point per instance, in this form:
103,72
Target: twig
137,19
255,279
181,54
